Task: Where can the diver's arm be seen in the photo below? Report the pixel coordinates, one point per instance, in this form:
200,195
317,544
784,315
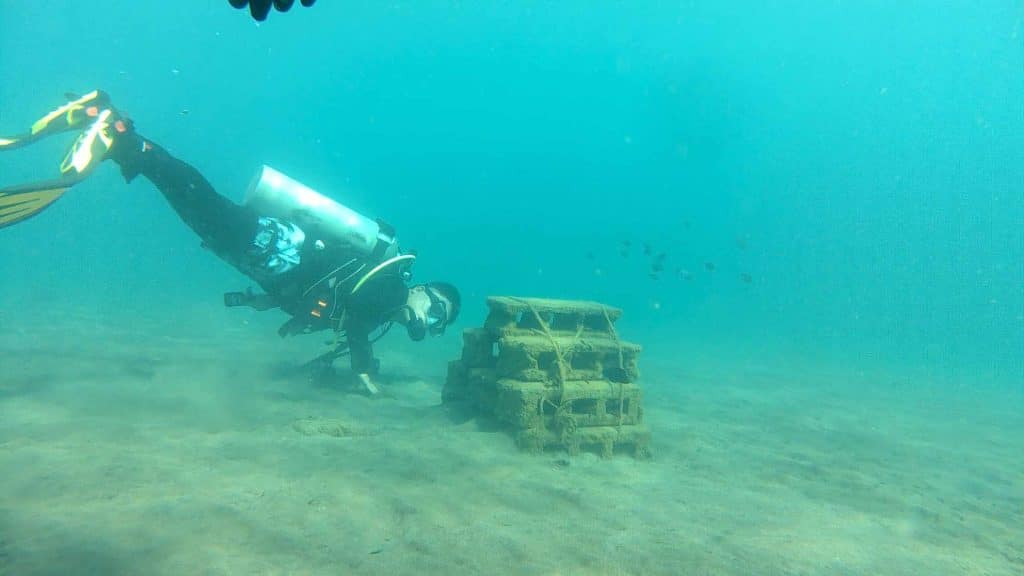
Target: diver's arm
361,358
360,350
366,311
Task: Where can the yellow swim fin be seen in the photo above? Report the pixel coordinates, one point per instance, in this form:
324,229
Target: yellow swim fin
74,115
99,125
20,202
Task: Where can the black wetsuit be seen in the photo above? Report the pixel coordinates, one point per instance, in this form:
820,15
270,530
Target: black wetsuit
229,230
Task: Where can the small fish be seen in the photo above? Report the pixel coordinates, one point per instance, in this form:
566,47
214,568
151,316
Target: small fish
647,249
627,243
184,111
684,274
746,278
657,267
660,257
709,266
652,275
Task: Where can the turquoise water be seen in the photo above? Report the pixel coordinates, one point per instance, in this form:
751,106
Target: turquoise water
853,170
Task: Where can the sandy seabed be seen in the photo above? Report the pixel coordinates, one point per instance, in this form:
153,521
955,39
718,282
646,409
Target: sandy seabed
156,447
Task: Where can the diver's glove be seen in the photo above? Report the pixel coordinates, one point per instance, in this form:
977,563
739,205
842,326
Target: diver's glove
260,8
365,385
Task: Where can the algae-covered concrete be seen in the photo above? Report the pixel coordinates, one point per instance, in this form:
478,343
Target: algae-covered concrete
555,373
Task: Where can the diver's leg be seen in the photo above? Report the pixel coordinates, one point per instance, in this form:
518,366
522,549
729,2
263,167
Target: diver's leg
225,227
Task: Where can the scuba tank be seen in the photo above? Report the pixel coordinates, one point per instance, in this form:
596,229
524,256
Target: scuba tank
369,247
274,194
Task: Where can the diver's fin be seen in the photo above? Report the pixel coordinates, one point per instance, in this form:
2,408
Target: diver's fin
16,141
79,111
20,202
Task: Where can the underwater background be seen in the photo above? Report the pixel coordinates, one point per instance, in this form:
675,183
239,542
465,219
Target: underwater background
837,189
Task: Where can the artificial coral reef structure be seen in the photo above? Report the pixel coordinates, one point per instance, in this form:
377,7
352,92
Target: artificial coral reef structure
556,374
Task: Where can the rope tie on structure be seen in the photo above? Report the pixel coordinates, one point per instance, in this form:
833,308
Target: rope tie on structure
563,416
622,366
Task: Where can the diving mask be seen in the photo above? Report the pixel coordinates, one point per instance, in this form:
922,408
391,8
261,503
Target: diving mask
437,314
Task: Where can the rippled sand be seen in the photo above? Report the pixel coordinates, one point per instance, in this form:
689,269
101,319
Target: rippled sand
190,446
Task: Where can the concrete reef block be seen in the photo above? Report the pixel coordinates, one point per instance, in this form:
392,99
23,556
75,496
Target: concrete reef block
554,373
477,348
535,357
605,441
511,314
587,403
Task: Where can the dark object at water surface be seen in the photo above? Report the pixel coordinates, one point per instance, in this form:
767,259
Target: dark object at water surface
261,8
709,266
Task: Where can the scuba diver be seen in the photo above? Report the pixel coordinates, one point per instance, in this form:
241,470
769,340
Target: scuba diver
323,264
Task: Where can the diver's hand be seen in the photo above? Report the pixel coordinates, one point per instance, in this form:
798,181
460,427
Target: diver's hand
367,385
260,8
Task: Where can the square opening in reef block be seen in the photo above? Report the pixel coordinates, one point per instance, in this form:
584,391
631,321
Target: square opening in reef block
585,406
589,361
548,362
611,407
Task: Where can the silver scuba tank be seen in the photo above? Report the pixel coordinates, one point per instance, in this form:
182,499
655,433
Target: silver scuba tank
274,194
